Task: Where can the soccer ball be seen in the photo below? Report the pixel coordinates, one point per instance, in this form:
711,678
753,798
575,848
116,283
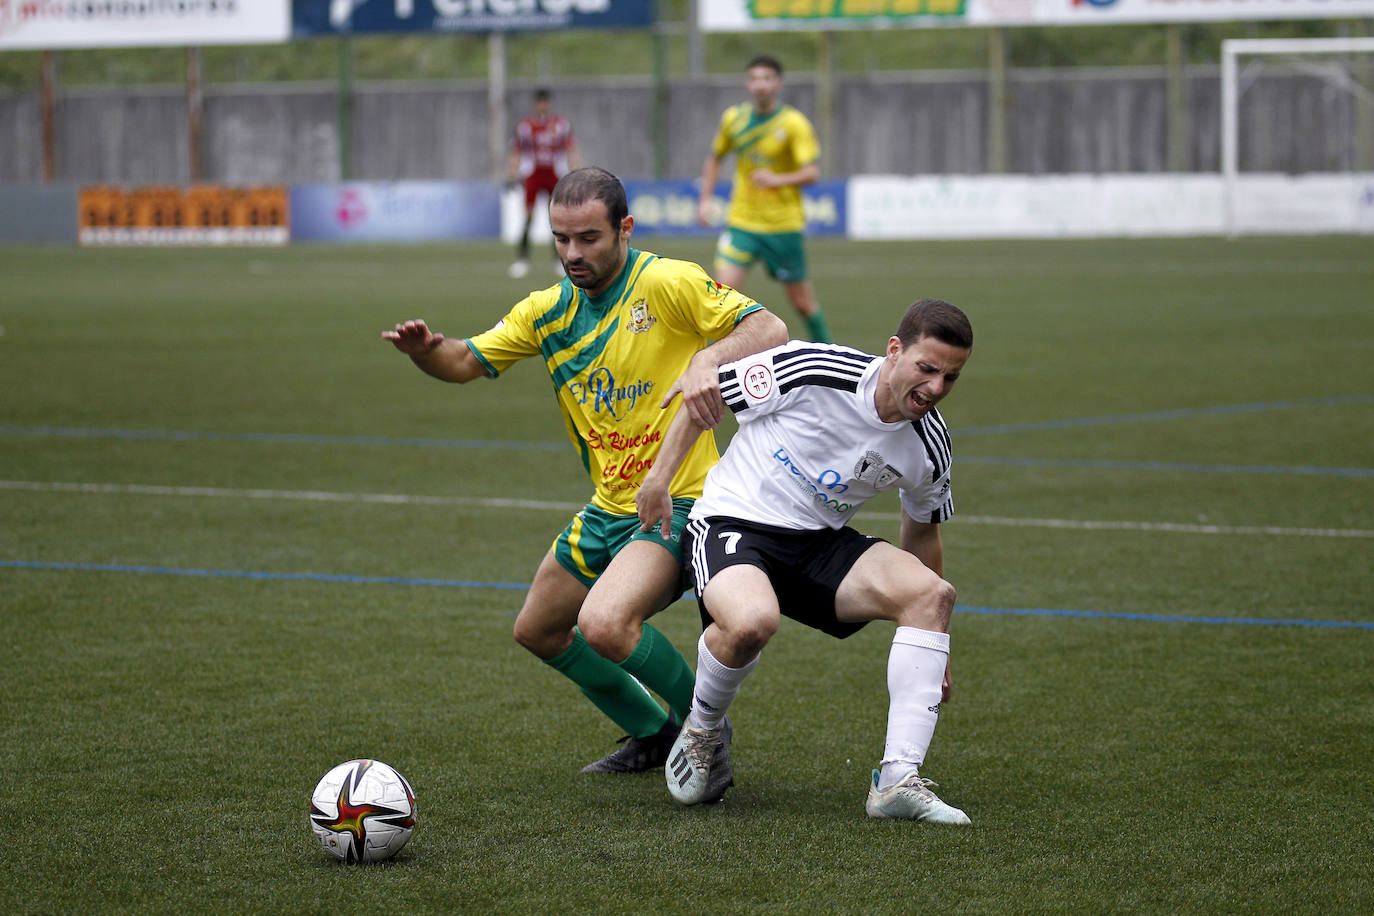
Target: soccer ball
362,811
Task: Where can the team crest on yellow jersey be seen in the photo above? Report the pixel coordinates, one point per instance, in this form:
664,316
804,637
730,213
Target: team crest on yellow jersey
640,319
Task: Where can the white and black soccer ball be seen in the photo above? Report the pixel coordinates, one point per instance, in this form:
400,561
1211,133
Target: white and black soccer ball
362,811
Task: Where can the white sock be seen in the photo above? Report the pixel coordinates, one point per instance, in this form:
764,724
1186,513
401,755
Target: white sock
915,676
716,687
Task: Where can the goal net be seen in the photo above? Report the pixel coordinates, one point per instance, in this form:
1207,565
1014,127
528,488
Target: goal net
1297,134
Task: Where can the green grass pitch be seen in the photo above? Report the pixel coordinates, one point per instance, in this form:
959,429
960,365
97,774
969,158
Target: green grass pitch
243,540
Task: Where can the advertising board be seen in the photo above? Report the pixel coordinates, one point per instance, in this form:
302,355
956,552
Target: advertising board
809,15
169,215
670,207
56,24
395,211
318,17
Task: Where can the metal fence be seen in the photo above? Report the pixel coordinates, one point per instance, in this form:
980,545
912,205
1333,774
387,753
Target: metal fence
1056,121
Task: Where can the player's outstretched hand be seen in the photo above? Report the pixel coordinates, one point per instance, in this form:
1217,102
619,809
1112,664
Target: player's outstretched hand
700,390
413,338
655,507
947,686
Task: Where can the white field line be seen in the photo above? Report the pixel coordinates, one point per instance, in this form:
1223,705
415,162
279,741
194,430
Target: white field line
323,496
484,502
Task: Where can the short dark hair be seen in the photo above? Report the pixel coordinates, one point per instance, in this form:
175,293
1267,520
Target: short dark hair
581,185
935,318
542,95
765,60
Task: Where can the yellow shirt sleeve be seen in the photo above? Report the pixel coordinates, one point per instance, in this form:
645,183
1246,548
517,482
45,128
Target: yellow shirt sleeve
698,304
806,149
513,338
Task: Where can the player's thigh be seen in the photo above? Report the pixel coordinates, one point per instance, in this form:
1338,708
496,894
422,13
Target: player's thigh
888,583
544,624
741,601
641,580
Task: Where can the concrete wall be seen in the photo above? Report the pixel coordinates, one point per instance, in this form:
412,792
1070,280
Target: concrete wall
936,122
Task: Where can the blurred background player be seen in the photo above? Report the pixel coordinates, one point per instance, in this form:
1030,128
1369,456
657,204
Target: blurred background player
542,151
775,154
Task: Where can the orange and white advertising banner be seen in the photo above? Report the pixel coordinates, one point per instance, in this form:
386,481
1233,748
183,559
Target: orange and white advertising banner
198,215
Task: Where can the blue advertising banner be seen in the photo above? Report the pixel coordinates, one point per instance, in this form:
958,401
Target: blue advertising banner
329,17
396,211
670,207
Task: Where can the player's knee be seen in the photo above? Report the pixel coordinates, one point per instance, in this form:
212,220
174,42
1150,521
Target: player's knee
748,634
928,606
936,606
944,602
605,632
543,641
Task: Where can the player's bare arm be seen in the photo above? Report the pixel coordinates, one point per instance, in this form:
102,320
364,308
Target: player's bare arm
700,384
710,171
654,500
435,354
922,540
807,174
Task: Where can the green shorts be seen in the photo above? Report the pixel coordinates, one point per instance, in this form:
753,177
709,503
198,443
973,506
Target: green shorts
586,546
781,252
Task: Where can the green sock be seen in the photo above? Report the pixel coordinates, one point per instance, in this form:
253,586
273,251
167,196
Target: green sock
818,327
658,664
610,689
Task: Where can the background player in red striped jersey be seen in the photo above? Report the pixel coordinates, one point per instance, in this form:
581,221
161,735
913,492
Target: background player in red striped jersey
542,151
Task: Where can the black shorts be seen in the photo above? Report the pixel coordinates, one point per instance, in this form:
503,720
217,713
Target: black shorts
805,567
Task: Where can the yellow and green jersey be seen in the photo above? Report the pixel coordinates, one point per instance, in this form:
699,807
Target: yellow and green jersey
613,357
780,141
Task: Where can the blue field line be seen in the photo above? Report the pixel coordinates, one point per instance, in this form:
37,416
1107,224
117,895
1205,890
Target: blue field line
522,586
1176,467
78,432
1182,413
256,574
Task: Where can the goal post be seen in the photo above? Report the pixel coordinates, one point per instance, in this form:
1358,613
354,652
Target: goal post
1231,90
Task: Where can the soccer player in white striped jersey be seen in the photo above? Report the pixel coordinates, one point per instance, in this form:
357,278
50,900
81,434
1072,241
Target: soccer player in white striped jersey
822,429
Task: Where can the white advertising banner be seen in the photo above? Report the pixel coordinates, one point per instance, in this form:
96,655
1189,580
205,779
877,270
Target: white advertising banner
1091,206
749,15
56,24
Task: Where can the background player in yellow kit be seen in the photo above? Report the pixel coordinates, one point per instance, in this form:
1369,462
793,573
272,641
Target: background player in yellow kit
775,154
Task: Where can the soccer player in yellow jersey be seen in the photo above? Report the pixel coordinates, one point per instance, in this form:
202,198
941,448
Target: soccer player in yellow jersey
775,154
621,336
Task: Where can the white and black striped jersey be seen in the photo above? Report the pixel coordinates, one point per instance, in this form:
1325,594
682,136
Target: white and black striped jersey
811,448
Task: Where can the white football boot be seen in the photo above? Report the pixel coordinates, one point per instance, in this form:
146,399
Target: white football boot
688,770
912,800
